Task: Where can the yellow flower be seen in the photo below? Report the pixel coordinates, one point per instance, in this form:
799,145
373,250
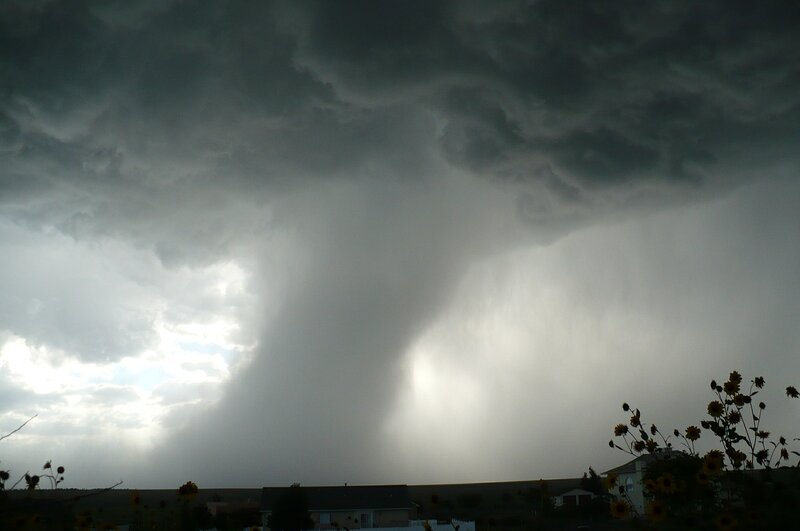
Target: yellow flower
731,388
610,481
188,489
715,455
655,511
715,408
725,522
692,433
620,430
620,509
737,458
666,483
762,455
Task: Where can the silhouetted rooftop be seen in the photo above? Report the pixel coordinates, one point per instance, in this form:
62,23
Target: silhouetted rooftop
342,497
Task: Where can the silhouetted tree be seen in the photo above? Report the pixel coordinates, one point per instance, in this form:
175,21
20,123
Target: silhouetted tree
592,482
290,512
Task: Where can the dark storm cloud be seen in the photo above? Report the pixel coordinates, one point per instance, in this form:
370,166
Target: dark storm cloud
358,157
604,94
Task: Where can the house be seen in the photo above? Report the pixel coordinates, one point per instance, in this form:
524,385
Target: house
568,492
356,507
630,477
573,498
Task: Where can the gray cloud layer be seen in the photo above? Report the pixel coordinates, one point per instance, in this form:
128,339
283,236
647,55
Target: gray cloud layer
358,158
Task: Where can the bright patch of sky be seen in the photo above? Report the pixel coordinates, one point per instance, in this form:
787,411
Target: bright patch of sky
190,318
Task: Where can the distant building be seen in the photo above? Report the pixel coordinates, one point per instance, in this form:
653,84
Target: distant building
573,498
357,507
630,477
567,492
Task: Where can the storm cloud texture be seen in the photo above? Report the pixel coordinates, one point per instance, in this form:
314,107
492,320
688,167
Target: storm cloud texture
252,243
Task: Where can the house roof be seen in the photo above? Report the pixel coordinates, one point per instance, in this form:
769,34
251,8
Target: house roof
574,492
344,498
645,459
557,487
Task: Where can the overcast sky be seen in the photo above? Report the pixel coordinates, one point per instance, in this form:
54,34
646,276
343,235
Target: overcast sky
251,243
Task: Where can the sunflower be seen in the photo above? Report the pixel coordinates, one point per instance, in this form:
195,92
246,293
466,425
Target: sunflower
715,455
666,483
737,458
650,485
725,522
610,481
715,408
655,511
791,392
762,455
702,477
734,417
692,433
188,489
759,382
620,509
731,388
620,430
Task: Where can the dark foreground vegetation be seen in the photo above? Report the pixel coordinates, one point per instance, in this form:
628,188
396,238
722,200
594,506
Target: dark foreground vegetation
751,480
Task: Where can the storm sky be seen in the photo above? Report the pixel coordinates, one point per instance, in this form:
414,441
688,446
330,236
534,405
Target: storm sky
252,243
